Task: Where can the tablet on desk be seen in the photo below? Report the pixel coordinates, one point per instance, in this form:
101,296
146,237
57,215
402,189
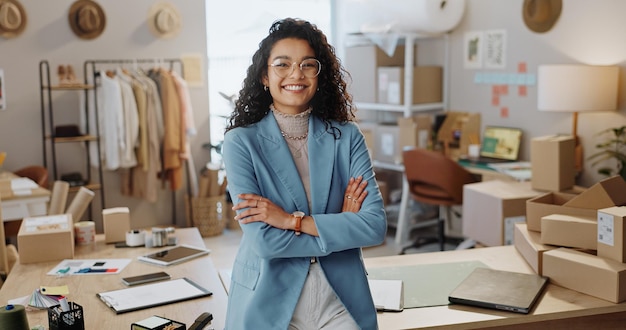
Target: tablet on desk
175,255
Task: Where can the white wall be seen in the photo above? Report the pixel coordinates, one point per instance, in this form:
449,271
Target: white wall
48,37
589,32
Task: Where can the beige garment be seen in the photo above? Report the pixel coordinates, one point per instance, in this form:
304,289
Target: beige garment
146,183
174,139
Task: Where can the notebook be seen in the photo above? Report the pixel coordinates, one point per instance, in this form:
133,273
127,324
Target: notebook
499,144
174,255
497,289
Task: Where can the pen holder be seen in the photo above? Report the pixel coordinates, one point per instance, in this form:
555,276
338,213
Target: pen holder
70,320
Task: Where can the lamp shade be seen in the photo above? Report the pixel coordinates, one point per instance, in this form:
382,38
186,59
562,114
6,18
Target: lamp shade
577,88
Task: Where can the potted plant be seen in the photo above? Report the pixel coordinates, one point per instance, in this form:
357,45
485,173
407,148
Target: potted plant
612,148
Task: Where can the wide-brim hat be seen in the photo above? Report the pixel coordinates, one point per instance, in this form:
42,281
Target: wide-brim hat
164,20
87,19
541,15
12,18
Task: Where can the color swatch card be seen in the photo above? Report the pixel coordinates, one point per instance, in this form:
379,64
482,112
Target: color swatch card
89,267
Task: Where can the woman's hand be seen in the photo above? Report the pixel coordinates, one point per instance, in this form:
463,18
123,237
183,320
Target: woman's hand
258,208
355,195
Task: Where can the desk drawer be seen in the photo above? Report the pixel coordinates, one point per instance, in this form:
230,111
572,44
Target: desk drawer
16,209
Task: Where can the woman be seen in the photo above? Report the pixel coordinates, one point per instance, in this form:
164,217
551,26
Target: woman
290,151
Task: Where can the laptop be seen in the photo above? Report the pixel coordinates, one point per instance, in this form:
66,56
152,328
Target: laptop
499,144
498,289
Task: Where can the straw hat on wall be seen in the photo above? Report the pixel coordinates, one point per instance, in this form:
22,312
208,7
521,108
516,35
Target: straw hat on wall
541,15
12,18
87,19
164,20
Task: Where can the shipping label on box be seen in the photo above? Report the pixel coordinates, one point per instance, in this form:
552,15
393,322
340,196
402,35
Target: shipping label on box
612,233
387,144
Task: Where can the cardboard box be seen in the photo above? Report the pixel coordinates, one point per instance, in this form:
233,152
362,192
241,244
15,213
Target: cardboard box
416,131
387,144
116,222
612,233
362,61
427,84
586,273
570,231
491,209
606,193
552,203
528,244
46,238
552,163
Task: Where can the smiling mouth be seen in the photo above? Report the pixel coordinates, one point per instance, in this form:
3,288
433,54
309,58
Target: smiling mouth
294,87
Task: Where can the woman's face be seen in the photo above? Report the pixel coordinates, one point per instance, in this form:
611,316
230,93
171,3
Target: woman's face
290,82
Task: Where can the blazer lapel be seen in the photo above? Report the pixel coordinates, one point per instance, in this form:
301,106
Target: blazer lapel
322,145
276,152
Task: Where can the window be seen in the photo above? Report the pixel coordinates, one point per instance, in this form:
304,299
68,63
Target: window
233,37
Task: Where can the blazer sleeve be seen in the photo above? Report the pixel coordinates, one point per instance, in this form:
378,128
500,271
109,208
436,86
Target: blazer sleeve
338,231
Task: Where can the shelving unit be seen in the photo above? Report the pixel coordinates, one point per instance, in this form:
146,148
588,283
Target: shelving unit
407,108
51,141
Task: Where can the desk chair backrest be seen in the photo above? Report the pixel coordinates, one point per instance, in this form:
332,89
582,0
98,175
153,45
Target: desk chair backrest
434,178
37,173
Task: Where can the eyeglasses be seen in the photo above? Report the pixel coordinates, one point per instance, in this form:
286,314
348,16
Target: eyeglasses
309,67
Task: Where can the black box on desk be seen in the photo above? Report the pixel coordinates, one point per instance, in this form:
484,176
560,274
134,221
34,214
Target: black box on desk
157,323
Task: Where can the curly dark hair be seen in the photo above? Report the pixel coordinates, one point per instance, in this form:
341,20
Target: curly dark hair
331,102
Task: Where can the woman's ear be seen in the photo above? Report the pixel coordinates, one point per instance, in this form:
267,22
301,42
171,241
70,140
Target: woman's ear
265,80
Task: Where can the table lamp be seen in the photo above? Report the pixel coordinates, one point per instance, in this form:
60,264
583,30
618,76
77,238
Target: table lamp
576,88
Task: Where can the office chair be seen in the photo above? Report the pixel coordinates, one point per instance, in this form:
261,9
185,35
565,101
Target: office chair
434,179
37,173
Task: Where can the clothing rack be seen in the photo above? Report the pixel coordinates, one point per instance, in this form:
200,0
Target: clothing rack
90,70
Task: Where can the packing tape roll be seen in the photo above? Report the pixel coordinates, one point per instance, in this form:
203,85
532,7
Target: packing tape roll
85,232
135,237
13,317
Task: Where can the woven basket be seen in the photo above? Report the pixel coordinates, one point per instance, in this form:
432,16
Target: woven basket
207,214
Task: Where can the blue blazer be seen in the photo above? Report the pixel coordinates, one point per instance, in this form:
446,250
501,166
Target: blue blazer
272,264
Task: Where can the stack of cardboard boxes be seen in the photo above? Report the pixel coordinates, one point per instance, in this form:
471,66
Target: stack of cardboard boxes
574,236
379,78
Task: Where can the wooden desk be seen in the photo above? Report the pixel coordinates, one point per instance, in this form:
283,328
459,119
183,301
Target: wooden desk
23,279
403,229
558,308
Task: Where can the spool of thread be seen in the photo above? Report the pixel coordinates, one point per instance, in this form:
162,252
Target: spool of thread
79,203
13,317
58,199
85,232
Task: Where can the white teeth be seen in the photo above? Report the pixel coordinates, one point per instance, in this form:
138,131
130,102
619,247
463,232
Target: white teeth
294,87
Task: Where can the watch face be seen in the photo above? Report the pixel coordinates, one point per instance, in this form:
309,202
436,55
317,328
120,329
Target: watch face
298,214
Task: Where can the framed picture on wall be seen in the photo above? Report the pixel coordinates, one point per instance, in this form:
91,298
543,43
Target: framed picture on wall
495,49
472,53
3,97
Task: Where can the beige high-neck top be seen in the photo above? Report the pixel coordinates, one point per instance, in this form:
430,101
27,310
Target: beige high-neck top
295,130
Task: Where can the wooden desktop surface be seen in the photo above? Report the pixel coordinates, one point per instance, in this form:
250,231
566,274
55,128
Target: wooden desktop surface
558,307
25,278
